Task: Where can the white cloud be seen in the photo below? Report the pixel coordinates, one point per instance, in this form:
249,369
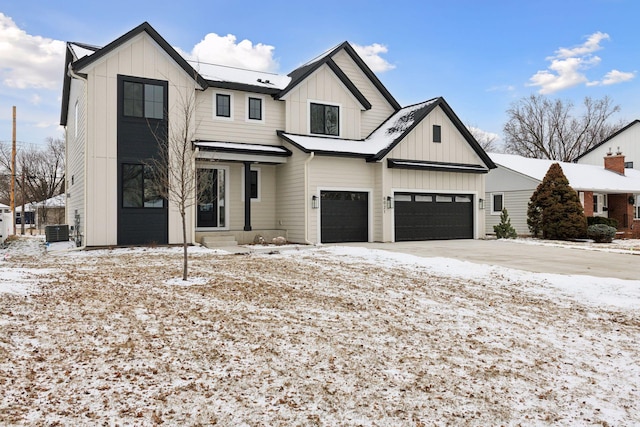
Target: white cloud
591,45
29,61
615,76
568,67
371,56
221,50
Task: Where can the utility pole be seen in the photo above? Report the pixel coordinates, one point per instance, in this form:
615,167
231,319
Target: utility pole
13,172
23,214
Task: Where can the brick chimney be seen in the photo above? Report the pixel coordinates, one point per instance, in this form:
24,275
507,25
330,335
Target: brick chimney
614,162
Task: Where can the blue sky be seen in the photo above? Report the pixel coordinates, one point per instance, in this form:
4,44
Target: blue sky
481,56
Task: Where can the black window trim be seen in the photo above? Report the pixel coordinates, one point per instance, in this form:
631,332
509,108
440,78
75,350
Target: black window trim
437,133
255,119
144,178
325,104
229,96
493,199
144,81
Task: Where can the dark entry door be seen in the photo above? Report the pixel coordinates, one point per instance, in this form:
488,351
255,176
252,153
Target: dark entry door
433,216
344,216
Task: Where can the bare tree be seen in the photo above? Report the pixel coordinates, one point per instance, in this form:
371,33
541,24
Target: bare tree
174,170
487,140
42,167
539,127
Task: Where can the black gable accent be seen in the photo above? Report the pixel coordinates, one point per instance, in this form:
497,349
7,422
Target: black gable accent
303,72
422,113
349,84
144,27
243,87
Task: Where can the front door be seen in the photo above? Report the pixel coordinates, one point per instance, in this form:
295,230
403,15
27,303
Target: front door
211,198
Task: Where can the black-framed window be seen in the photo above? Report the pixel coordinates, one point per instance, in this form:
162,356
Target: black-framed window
497,203
254,184
143,100
628,165
325,119
437,133
139,188
223,105
255,108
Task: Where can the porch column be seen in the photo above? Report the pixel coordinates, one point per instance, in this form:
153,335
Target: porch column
247,196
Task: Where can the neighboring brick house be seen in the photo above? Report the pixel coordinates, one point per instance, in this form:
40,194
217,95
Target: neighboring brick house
609,190
323,154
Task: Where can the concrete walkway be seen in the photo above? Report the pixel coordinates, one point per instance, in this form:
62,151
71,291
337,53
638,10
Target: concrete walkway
535,258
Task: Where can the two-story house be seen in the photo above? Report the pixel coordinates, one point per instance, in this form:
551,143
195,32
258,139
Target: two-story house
323,154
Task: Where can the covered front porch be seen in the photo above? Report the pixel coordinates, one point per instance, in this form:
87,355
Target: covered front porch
236,193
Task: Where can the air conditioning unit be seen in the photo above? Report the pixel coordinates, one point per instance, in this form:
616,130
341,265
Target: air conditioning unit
57,233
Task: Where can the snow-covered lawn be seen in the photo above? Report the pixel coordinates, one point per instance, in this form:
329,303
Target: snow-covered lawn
319,336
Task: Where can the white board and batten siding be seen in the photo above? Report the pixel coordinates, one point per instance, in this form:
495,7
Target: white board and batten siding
380,107
139,57
453,148
75,154
322,87
355,175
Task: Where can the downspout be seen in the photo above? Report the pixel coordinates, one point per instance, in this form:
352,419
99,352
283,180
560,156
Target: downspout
306,198
83,231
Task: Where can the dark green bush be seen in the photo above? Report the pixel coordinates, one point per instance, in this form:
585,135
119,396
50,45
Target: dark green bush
611,222
601,233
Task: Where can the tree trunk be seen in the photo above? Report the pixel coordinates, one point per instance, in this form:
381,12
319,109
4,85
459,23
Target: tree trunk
184,246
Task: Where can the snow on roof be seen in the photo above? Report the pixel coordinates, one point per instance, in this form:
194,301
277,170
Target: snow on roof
380,139
224,73
580,176
241,146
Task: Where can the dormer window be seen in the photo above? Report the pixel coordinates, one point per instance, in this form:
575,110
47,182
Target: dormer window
325,119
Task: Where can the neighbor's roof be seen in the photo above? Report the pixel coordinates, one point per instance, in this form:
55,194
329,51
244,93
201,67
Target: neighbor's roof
581,177
633,123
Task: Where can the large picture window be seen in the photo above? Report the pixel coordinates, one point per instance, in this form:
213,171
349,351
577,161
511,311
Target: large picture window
143,100
139,189
325,119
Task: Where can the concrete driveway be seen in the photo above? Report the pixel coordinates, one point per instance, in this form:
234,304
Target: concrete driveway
521,256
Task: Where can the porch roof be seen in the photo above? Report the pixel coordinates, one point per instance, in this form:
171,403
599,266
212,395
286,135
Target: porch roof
581,177
240,152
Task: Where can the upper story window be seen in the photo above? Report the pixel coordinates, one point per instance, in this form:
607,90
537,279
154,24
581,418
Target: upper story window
325,119
628,165
224,105
254,108
437,134
143,100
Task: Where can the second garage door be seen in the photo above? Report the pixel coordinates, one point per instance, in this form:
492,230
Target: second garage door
344,216
433,216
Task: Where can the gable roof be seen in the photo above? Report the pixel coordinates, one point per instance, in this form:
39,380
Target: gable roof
581,177
382,140
301,73
607,139
72,62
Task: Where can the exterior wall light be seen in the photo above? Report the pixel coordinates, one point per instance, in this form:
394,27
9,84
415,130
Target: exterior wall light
389,202
481,203
315,203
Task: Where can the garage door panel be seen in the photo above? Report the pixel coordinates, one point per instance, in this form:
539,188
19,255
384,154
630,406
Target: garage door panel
344,216
433,216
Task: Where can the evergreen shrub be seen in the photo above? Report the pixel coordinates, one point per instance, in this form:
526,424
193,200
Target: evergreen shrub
593,220
505,230
601,233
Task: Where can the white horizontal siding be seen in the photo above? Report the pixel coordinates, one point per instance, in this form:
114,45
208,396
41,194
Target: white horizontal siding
516,203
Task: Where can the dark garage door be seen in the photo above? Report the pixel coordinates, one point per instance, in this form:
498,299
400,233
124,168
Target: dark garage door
433,216
344,216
